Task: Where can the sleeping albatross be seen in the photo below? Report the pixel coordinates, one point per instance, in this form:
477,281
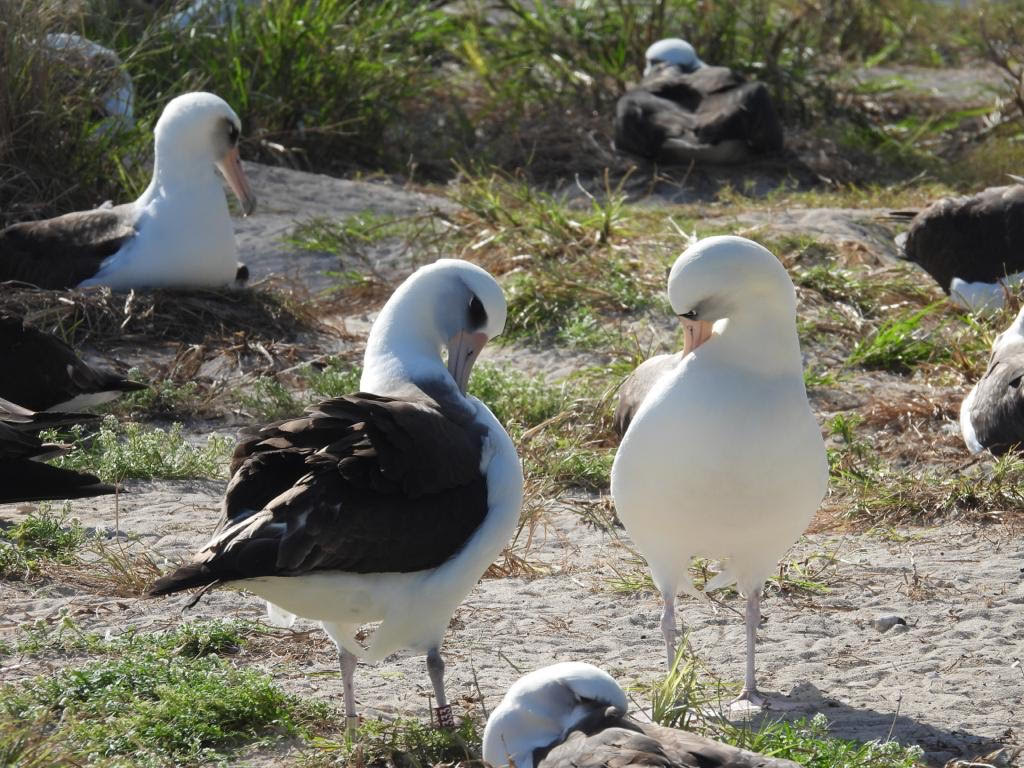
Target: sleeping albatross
178,234
23,475
573,715
971,245
992,414
723,458
385,505
43,373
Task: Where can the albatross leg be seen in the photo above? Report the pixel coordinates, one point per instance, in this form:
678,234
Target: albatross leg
435,668
668,623
749,697
348,671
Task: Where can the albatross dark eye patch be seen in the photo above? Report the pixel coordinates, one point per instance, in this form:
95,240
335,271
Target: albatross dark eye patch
477,314
691,315
232,133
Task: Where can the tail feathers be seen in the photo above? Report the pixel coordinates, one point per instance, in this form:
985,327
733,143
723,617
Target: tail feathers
115,383
185,577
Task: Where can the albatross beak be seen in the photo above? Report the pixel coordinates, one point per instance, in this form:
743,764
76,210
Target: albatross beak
231,166
696,332
463,350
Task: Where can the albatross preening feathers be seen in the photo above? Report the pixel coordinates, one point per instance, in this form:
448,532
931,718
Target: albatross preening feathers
178,234
723,457
573,715
385,505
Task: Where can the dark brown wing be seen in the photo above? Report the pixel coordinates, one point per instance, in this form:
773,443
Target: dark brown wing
612,741
741,113
636,386
997,411
63,251
361,484
978,238
24,480
41,371
689,749
13,416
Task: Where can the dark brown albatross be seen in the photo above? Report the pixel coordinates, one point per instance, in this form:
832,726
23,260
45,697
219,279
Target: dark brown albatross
976,238
41,372
23,476
573,715
379,507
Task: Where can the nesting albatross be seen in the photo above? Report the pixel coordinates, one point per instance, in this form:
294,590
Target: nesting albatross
992,414
23,475
971,245
723,457
573,715
385,505
178,234
43,373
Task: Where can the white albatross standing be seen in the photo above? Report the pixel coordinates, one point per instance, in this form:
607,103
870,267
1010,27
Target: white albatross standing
723,458
385,505
573,715
178,234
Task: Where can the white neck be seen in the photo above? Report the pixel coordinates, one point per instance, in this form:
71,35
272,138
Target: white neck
765,344
399,349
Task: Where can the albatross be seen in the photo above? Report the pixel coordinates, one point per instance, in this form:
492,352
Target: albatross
723,458
23,475
971,245
178,234
385,505
43,373
992,414
573,715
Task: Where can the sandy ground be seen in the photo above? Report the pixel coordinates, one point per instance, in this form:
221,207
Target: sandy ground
950,680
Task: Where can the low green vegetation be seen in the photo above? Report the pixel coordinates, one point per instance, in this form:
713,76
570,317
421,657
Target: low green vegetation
122,451
41,538
151,700
400,742
900,343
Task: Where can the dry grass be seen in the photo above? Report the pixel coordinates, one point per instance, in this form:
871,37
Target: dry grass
270,310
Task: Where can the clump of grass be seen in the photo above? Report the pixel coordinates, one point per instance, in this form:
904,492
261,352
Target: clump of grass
121,451
156,707
163,398
334,379
809,743
518,401
401,742
900,343
39,539
267,399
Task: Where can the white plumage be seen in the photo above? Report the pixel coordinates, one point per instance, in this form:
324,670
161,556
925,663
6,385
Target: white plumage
724,458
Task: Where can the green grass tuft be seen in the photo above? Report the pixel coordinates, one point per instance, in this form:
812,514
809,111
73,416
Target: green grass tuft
40,538
121,451
900,343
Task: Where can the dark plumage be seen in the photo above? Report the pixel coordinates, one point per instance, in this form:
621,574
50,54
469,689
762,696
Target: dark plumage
709,114
616,741
992,414
636,386
573,715
22,476
979,238
40,371
63,251
361,484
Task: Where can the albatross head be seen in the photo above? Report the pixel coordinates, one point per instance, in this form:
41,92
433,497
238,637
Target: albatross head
674,51
450,304
200,128
543,707
733,279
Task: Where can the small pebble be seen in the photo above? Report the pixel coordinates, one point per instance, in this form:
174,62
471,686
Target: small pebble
885,623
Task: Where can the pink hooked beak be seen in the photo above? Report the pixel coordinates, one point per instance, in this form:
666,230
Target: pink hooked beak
463,350
231,166
695,333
